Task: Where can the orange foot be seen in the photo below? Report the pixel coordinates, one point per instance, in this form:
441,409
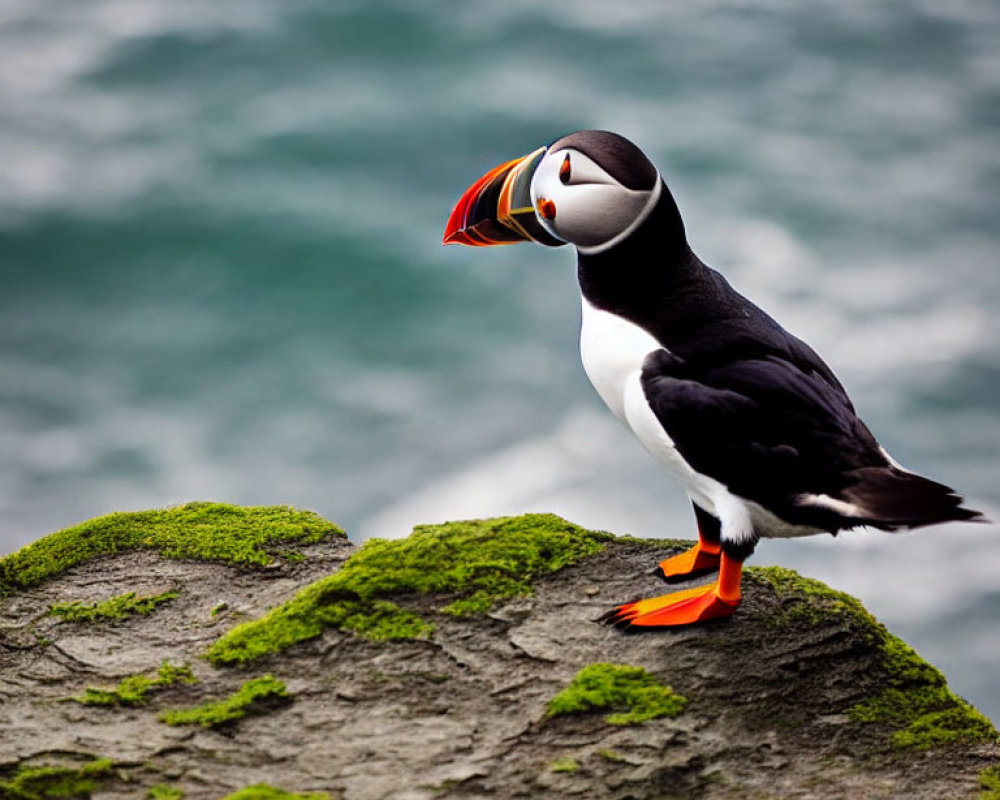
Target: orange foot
690,564
679,608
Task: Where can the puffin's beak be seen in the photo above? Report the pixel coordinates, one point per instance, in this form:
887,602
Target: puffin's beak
497,208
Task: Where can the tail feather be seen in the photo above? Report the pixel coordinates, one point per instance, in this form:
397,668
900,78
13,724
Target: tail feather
892,498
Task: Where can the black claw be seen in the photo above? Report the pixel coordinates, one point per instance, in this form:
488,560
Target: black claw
608,617
614,617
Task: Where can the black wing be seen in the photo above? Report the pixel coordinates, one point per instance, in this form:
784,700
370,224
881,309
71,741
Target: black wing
769,430
786,436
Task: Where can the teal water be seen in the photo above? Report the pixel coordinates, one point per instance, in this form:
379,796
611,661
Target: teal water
221,277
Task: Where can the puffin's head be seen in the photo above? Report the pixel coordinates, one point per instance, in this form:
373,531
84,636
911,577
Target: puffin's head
590,189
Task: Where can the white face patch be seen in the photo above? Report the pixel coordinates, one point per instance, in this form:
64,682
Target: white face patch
577,201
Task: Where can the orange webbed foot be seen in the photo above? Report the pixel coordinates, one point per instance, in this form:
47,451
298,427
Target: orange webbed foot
690,564
711,601
678,608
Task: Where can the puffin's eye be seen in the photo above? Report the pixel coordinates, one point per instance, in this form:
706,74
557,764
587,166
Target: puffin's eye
565,171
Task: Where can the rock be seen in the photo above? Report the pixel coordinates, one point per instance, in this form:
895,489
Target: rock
424,668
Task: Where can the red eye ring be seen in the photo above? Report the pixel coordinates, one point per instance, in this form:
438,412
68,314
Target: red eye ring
565,170
546,208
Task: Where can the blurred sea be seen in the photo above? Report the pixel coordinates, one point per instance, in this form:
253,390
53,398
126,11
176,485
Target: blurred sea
221,277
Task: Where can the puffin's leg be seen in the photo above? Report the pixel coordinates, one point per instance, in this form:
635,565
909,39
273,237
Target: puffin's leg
710,601
700,559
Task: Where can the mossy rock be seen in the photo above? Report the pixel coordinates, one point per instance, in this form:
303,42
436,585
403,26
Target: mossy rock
480,561
136,689
118,607
565,764
162,791
204,531
50,781
989,779
915,699
255,696
262,791
636,694
438,674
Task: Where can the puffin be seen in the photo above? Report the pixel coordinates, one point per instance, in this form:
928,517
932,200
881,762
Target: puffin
756,427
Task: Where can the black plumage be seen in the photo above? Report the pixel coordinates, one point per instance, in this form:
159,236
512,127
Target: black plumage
744,401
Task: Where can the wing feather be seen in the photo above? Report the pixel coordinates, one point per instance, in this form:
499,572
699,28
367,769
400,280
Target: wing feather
764,427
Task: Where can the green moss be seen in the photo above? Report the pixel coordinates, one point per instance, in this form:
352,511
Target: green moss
163,792
206,531
989,779
134,690
483,560
919,704
36,783
564,764
809,599
119,607
261,791
611,755
633,690
944,721
253,695
914,699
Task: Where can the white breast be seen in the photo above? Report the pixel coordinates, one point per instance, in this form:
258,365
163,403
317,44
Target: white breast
612,349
